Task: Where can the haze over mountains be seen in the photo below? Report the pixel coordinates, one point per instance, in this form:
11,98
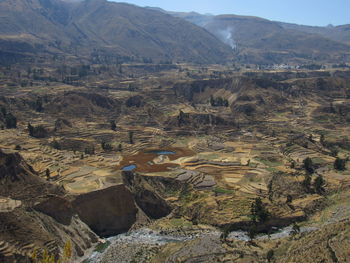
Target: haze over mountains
260,41
98,30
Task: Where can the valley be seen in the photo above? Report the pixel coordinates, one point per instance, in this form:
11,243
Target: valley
132,134
181,162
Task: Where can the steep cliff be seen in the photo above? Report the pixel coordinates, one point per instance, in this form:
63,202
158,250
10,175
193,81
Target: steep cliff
35,214
146,196
109,211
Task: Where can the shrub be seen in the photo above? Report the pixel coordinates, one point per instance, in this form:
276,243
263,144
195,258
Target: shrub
11,121
318,184
340,164
270,255
308,165
37,131
307,183
106,146
113,126
258,210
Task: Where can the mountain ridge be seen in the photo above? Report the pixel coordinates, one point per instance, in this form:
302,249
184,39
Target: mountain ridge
117,29
101,31
260,40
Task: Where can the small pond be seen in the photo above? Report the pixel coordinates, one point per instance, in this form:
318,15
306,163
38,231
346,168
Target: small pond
129,168
161,152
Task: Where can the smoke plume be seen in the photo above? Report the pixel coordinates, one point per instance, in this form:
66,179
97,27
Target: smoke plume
227,37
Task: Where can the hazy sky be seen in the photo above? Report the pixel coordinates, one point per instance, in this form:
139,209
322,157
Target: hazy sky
308,12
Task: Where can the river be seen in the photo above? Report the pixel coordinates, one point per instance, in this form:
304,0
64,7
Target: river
149,238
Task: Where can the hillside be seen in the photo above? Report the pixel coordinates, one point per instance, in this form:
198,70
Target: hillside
102,30
262,41
339,33
35,214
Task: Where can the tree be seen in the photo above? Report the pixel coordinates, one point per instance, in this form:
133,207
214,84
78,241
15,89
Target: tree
340,164
295,229
334,152
308,165
226,104
39,105
11,121
270,189
225,233
131,137
90,150
181,118
67,251
311,138
307,183
258,210
270,254
56,145
47,173
318,184
38,131
252,232
3,111
30,129
47,257
292,164
34,256
120,147
106,146
322,140
218,102
212,101
113,126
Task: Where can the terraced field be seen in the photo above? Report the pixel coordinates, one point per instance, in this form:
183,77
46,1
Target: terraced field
198,163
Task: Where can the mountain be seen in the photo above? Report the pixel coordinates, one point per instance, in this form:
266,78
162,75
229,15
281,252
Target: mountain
337,33
109,32
258,40
98,29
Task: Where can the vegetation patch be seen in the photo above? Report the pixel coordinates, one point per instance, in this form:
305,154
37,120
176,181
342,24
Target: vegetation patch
101,247
219,190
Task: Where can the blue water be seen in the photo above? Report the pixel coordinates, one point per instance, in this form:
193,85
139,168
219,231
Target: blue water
160,152
129,168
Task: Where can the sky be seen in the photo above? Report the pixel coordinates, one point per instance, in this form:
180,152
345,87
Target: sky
306,12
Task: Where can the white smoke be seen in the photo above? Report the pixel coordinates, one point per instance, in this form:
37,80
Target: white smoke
226,35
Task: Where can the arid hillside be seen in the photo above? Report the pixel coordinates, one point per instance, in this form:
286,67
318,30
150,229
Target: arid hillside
102,31
261,41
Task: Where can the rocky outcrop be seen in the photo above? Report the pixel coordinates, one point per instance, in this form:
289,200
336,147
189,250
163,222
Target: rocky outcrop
146,196
192,90
41,217
19,181
62,124
200,120
328,244
58,208
107,212
135,101
82,104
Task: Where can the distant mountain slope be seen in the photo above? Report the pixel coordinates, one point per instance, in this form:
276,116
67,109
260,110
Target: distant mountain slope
337,33
258,40
93,27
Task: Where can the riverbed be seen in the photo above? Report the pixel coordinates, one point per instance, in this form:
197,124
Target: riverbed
124,247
